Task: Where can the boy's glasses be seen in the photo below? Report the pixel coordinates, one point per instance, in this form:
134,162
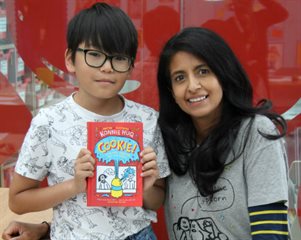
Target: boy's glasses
96,59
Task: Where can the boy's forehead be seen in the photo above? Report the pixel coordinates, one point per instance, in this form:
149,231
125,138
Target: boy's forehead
89,45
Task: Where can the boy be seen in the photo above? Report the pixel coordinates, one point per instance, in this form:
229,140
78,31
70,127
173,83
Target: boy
102,46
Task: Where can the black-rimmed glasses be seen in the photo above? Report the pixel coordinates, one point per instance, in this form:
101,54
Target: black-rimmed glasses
96,59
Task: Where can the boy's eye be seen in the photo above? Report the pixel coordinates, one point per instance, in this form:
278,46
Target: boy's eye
120,58
95,54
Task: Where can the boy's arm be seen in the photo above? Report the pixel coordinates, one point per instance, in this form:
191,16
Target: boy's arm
153,198
25,195
153,188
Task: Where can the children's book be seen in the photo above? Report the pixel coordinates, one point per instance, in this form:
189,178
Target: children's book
117,179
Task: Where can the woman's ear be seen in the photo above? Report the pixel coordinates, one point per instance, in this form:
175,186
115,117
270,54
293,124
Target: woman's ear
68,61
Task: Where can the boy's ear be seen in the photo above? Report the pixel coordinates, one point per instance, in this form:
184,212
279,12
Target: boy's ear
68,61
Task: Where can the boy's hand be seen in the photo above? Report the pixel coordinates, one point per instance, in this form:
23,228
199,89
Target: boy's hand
150,171
84,167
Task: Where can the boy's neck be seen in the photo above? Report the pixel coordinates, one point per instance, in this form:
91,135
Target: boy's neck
104,107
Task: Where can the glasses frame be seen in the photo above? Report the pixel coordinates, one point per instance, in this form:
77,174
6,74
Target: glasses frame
110,57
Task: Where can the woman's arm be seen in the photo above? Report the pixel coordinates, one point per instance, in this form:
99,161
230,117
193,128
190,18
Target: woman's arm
269,222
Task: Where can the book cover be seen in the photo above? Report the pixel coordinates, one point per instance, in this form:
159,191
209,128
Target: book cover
117,179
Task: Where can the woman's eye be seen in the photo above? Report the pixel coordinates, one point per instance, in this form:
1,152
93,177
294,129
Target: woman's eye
204,71
178,78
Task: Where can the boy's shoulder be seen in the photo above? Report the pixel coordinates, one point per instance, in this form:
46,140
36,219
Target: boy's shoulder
137,112
58,104
139,107
53,109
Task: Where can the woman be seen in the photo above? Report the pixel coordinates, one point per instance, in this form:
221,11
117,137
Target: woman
227,157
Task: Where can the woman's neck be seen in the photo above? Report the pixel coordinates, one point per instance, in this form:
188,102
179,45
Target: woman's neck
203,128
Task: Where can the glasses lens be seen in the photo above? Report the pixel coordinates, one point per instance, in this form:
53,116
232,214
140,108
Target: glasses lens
95,58
121,63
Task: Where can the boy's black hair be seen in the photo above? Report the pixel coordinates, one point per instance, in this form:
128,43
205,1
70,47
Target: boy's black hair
104,27
206,162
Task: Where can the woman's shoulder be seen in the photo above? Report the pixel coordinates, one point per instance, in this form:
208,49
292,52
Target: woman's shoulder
260,122
253,128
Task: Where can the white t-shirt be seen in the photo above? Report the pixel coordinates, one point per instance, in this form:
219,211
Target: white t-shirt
50,148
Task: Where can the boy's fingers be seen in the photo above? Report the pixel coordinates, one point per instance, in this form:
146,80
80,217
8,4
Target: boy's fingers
149,157
86,158
85,164
84,173
147,150
83,152
150,172
149,165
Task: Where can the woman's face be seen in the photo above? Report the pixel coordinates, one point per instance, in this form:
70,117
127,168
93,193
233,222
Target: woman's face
195,87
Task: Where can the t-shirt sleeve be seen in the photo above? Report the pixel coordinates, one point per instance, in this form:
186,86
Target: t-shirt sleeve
33,161
265,167
162,161
153,138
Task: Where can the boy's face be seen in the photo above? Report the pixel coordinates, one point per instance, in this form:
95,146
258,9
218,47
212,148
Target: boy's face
102,83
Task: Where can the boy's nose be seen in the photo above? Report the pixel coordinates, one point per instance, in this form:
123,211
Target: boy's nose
107,66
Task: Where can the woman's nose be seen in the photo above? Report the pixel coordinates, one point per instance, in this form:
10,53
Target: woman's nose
194,84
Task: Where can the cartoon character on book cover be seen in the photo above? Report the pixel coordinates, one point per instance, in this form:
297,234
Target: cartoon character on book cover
116,147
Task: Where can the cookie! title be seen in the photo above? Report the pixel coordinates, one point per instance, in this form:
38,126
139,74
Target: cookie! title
118,145
118,140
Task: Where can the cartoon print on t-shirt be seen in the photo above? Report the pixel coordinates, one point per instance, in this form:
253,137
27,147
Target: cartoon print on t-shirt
197,229
204,228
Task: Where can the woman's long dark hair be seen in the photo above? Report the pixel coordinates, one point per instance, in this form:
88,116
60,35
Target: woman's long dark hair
205,163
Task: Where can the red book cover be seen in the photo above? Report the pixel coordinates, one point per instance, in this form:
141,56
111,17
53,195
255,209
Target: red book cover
117,179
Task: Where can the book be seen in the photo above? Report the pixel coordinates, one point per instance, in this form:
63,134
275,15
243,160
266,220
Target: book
117,179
